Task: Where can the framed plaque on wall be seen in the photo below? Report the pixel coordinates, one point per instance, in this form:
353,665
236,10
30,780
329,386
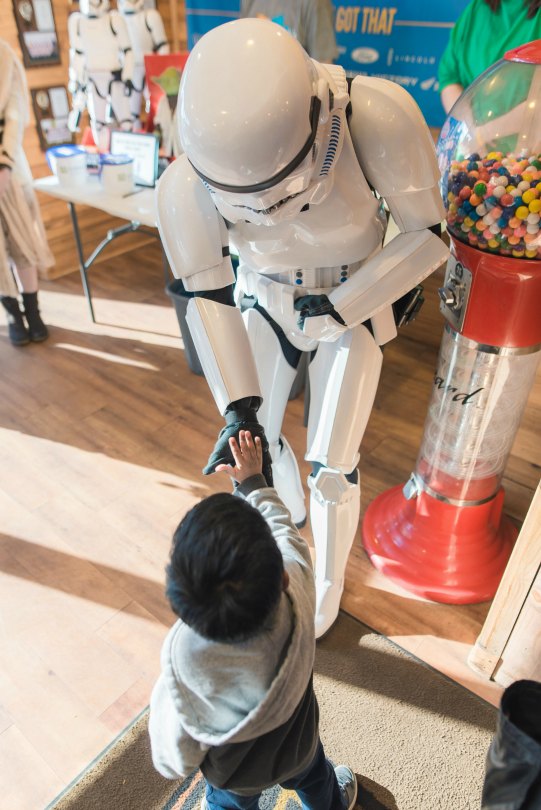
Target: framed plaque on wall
51,110
37,32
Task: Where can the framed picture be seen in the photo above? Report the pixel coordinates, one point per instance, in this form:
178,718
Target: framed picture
37,32
143,148
51,110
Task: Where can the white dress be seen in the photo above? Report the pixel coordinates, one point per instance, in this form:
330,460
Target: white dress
22,236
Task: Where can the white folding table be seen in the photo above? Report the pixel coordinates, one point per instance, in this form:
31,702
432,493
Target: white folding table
137,207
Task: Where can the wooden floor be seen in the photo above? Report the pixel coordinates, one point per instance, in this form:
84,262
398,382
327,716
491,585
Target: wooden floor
103,433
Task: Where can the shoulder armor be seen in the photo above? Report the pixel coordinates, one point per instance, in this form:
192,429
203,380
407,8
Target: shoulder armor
391,138
193,233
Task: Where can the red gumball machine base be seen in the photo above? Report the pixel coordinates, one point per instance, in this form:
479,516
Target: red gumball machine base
443,535
446,553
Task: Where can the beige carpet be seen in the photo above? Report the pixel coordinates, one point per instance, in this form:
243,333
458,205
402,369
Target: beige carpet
416,740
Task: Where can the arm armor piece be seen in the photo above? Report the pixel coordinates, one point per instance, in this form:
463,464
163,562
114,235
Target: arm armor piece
224,351
120,30
193,233
396,151
76,69
404,262
155,27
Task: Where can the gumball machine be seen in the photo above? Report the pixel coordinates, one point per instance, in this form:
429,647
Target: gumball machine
443,535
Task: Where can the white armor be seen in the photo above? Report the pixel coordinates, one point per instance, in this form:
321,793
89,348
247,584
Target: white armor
101,67
269,151
147,35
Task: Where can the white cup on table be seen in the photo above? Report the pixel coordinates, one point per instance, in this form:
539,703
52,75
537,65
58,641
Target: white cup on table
116,174
68,164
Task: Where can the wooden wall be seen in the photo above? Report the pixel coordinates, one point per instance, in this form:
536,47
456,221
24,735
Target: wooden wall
55,213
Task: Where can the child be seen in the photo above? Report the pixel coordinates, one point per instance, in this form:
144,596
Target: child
235,696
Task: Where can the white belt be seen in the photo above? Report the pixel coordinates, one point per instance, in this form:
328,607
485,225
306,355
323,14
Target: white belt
277,300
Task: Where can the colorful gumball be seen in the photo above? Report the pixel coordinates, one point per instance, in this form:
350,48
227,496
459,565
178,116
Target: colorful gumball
494,203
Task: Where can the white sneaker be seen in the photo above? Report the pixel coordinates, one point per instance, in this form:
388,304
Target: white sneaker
347,782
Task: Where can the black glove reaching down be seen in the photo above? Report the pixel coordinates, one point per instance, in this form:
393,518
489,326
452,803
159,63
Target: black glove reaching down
240,415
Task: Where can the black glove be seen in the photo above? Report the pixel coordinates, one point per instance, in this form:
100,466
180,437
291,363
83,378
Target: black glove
240,415
310,305
406,308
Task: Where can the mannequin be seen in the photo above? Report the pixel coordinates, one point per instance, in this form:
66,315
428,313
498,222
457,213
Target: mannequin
101,67
147,35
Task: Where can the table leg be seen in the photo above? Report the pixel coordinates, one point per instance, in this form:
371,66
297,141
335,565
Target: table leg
82,263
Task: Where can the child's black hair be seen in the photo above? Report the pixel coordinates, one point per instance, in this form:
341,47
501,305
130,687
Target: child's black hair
225,575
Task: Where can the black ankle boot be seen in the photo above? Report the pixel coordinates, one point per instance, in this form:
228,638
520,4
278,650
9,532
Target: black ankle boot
513,767
37,329
17,331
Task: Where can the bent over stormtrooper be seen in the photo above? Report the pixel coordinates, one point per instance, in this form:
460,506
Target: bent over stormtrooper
277,165
101,66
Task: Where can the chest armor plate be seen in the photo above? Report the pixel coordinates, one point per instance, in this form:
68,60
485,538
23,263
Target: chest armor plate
342,230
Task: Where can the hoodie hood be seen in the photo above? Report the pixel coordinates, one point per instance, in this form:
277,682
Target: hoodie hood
231,693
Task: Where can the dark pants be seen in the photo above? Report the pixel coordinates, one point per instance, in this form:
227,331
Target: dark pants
316,787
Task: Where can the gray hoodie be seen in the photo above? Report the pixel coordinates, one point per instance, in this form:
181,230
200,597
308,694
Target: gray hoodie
310,21
245,713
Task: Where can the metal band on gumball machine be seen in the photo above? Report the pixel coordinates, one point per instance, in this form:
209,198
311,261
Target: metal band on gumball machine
415,485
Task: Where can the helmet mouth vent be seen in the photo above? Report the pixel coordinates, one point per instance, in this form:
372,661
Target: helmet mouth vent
272,209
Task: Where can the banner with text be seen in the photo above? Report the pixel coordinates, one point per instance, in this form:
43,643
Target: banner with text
402,43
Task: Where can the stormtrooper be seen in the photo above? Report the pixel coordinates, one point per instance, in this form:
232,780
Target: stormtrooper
101,67
147,35
289,163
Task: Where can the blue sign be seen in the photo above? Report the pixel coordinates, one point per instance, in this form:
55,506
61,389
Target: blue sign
402,43
202,15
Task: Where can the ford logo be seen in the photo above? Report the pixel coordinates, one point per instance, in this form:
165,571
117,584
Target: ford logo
365,56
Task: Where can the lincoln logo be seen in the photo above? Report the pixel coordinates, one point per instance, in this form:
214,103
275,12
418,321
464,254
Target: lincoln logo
458,396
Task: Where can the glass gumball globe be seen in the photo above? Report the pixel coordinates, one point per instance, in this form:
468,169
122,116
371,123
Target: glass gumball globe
489,153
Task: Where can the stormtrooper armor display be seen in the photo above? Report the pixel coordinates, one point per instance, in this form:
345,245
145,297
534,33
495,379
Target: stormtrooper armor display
147,35
287,163
101,66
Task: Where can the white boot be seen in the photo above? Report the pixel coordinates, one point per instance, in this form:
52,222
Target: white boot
335,506
287,480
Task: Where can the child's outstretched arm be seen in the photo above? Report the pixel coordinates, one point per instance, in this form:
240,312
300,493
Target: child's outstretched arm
248,456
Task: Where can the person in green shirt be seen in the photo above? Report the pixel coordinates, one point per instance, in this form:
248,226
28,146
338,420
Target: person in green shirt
483,33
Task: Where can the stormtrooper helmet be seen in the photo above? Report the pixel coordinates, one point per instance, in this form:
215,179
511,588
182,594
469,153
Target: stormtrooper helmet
259,121
130,6
93,8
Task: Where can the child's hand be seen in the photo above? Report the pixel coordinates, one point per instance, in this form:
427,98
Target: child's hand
248,456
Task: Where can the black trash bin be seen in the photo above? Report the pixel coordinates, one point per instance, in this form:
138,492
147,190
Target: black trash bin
180,297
